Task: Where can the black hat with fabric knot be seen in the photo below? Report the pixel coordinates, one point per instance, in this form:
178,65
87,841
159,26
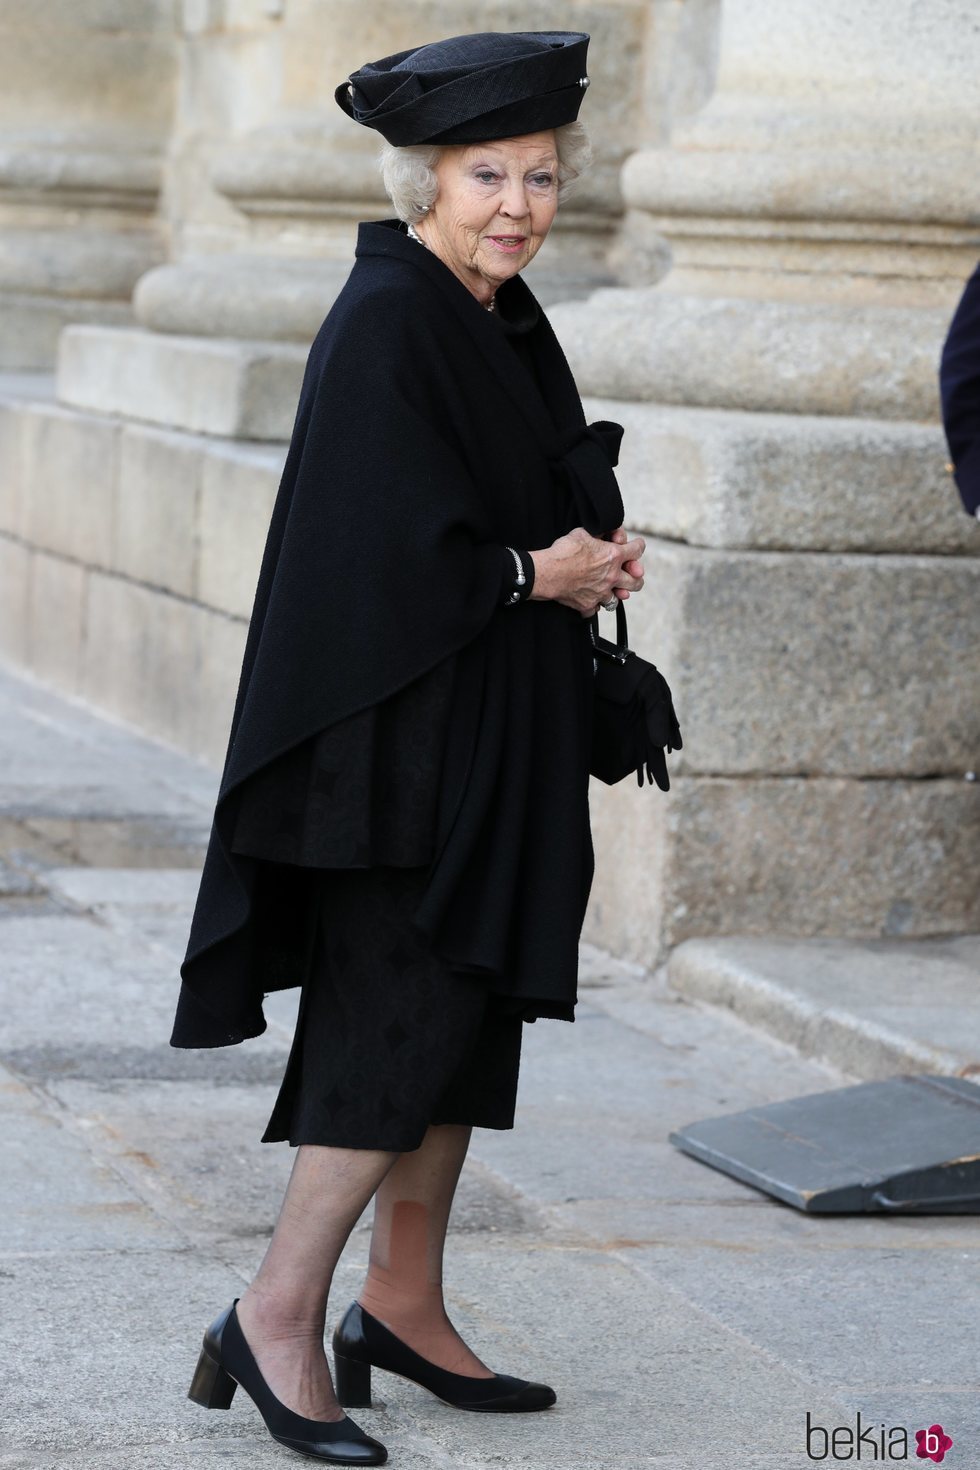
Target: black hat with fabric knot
471,89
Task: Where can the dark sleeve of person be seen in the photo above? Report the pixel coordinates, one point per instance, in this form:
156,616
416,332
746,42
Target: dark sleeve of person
959,386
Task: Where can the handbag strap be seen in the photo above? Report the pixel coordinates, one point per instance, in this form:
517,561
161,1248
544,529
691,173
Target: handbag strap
622,648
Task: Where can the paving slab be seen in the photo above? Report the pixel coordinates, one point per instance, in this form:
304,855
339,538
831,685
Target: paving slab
123,888
84,999
858,1318
626,1089
759,1225
65,1198
190,1147
684,1380
109,1362
50,744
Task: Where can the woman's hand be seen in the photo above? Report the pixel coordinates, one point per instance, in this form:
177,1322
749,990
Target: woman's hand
582,571
632,568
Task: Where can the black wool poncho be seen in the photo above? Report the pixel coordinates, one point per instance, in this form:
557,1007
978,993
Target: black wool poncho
391,708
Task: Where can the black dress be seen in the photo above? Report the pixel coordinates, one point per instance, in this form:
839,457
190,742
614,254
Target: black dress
388,1039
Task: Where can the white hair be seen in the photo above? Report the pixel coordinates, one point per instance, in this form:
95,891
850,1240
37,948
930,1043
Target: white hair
410,181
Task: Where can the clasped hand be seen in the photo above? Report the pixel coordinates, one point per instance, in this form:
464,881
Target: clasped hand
584,571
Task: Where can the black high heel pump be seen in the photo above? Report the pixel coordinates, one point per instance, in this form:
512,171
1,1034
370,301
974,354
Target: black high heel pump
361,1342
226,1361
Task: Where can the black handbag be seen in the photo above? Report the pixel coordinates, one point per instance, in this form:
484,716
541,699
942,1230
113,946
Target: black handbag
634,719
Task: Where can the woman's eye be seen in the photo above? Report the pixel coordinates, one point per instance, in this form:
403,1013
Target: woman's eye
544,179
486,174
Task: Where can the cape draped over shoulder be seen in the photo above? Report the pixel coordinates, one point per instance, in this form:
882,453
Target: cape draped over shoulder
423,446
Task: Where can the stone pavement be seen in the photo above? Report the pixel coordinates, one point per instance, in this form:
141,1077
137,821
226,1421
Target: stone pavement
685,1320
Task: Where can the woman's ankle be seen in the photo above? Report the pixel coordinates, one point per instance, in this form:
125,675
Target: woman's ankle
280,1316
390,1302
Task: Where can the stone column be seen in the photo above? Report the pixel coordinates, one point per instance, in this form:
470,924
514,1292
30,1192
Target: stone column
812,582
86,96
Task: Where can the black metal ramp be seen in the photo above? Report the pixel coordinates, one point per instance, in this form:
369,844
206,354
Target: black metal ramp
908,1145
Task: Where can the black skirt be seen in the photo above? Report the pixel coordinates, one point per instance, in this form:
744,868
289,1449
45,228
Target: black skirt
388,1039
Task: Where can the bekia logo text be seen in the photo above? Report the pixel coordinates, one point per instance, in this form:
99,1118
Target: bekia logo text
844,1442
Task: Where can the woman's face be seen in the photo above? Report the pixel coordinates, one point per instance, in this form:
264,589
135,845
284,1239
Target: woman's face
495,205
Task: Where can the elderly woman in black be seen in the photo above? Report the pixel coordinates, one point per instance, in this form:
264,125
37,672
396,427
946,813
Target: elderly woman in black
402,826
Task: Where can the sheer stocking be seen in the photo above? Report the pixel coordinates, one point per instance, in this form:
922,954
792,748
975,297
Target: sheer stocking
403,1288
282,1314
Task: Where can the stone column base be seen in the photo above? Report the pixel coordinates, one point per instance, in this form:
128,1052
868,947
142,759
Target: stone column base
207,385
795,856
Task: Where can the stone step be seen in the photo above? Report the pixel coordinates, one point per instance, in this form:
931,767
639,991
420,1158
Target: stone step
208,385
129,888
870,1007
814,664
811,857
653,345
724,478
32,322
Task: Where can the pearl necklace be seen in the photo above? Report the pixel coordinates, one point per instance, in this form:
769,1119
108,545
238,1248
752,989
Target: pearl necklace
414,235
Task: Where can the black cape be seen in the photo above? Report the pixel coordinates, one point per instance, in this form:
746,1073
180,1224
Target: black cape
422,446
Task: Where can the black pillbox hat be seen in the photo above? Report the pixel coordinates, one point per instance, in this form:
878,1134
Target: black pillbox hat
471,89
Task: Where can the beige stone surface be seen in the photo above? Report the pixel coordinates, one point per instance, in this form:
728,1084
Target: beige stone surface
792,857
69,468
32,324
873,1007
252,296
179,512
107,186
722,478
802,182
811,226
231,389
833,159
156,508
11,454
238,491
841,55
87,95
90,261
56,622
90,64
15,583
162,663
814,663
768,356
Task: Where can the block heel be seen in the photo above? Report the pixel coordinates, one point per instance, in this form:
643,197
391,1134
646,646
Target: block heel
211,1386
361,1342
227,1361
352,1380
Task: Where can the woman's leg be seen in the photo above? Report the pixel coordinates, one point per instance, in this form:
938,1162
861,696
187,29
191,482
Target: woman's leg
282,1313
403,1288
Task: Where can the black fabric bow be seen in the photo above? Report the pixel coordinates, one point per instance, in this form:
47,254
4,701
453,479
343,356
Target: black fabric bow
584,460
